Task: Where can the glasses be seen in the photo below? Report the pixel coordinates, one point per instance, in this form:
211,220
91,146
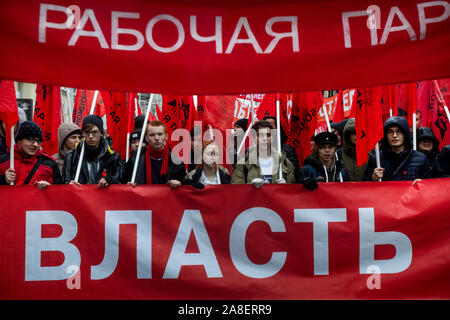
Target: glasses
94,133
392,132
33,140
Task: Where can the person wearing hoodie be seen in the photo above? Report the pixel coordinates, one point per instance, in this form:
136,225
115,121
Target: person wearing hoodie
348,153
428,144
443,160
31,164
398,160
69,134
338,129
322,165
101,165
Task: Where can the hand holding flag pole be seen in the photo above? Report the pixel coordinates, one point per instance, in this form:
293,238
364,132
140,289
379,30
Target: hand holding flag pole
80,160
11,152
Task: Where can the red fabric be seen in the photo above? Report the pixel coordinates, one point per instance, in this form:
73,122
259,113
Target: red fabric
407,100
397,207
339,60
305,111
23,166
8,108
218,111
339,114
156,154
83,104
389,94
47,114
368,121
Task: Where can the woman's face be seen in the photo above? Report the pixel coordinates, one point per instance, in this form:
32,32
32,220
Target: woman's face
211,155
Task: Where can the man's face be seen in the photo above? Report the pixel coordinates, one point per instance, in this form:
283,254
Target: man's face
92,136
239,131
135,144
326,152
395,136
211,155
425,145
72,140
353,138
156,137
264,139
29,146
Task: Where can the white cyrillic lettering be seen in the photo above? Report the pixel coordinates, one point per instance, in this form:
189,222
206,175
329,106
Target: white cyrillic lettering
388,28
44,24
243,22
278,36
346,27
97,33
35,244
192,221
217,37
149,33
320,219
115,31
424,21
113,220
369,239
237,243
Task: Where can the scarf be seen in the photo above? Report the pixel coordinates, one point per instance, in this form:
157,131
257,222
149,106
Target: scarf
156,154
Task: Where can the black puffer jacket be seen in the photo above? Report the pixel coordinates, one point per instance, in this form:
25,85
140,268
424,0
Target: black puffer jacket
443,159
426,133
313,169
106,163
407,165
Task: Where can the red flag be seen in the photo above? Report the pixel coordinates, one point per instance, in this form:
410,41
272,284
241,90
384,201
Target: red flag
368,122
440,96
83,103
47,114
219,111
407,100
8,108
305,111
339,114
186,112
170,113
389,100
268,108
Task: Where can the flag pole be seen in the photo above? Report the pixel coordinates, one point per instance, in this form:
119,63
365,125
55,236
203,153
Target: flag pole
141,139
441,99
414,118
80,160
249,127
11,150
280,168
377,156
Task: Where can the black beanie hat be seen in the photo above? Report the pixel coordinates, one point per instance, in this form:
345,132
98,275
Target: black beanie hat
136,134
95,120
243,123
29,129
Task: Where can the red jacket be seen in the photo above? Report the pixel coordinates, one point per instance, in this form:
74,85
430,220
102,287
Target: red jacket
47,171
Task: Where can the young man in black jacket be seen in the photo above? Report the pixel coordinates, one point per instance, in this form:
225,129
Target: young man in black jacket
101,165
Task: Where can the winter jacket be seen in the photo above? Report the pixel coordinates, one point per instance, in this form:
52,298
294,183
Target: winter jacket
175,171
427,133
104,162
244,173
443,160
47,170
65,130
348,154
313,169
407,165
193,177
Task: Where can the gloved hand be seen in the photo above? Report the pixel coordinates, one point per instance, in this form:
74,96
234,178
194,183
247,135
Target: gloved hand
310,184
258,182
280,181
198,185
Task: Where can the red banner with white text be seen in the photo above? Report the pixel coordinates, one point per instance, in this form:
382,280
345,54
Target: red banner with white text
187,47
386,240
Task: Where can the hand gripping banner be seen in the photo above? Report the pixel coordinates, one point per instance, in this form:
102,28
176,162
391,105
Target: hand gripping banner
191,47
387,240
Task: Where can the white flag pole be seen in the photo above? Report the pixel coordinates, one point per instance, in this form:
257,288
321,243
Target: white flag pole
280,173
249,127
324,107
141,139
80,160
390,112
11,150
377,156
414,117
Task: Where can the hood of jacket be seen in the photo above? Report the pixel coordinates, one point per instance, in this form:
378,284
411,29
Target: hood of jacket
347,146
427,133
402,123
65,130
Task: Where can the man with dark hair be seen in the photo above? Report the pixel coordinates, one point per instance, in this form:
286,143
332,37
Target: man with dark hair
398,160
262,162
428,144
100,165
322,165
135,136
31,164
157,164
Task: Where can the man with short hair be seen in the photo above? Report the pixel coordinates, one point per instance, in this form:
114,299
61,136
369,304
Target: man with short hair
31,164
428,144
157,164
398,160
262,162
101,165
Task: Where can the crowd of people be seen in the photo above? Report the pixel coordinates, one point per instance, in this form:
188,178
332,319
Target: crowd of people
333,157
